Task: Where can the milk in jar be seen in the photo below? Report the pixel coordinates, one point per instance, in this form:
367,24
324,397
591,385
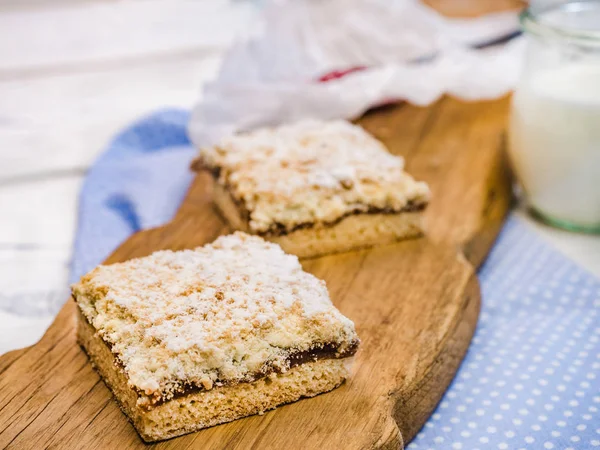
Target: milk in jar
554,131
555,142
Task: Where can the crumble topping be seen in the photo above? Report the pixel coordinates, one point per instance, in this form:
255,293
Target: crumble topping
221,313
310,172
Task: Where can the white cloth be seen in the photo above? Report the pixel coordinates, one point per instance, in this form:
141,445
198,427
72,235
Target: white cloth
408,51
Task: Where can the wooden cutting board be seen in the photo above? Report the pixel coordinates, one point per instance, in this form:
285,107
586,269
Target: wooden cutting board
415,305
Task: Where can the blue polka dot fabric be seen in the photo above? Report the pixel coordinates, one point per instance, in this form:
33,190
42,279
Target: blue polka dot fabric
531,378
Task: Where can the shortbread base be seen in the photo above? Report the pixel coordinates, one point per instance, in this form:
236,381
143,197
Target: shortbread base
197,410
353,232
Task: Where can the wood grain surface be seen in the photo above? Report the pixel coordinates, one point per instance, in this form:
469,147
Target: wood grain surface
415,305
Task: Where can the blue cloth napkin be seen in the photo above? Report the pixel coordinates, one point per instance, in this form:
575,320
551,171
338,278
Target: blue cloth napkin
531,378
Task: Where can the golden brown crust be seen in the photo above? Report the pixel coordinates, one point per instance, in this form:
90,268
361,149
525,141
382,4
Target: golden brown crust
352,232
219,315
238,216
309,173
198,410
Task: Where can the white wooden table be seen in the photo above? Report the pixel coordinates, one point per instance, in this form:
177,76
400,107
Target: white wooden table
72,74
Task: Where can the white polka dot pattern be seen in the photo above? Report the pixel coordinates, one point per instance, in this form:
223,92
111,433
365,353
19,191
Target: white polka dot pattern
531,378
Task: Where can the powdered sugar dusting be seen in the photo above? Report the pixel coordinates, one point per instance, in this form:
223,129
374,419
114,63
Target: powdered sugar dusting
220,313
311,172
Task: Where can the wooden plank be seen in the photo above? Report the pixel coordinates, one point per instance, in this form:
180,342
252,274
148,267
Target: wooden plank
415,305
107,34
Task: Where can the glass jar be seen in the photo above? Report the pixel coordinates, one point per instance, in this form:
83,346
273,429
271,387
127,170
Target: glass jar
554,133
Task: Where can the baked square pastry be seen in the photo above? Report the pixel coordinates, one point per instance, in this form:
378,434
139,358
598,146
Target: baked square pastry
190,339
314,187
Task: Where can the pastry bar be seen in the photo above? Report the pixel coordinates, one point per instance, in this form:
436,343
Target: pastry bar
190,339
314,187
